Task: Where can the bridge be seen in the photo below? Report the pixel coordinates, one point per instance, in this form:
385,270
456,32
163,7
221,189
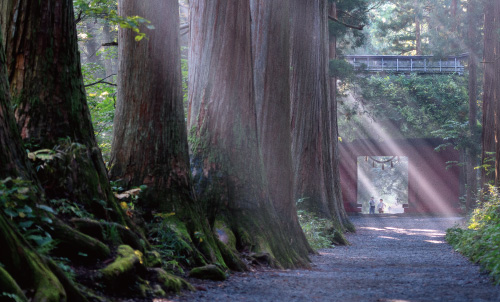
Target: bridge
408,64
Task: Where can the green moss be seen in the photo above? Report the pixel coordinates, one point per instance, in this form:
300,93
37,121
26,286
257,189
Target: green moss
225,234
170,282
48,287
9,286
153,259
209,272
124,265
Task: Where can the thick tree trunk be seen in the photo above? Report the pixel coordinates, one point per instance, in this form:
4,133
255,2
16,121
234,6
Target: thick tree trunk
418,29
22,268
109,36
334,150
150,138
472,152
488,134
271,46
496,85
149,134
92,46
229,172
5,17
47,87
312,132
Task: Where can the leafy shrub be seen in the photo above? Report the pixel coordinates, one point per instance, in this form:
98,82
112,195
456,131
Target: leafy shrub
16,197
480,241
319,231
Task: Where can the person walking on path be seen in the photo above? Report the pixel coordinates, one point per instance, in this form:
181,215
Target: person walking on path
381,206
372,205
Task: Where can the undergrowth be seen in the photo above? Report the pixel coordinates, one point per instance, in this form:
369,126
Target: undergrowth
318,231
480,241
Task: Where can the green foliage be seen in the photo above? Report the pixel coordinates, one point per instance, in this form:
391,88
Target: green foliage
341,69
480,241
170,240
353,13
101,99
107,10
319,232
16,196
409,106
65,265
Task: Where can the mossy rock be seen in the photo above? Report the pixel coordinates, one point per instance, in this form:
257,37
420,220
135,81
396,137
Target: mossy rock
124,269
169,282
209,272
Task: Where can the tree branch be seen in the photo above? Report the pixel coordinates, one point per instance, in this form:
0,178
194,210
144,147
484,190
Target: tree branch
358,27
101,81
114,43
80,17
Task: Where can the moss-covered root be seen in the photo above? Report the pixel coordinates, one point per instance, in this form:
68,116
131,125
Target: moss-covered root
9,286
231,258
124,235
28,269
169,282
73,293
125,269
72,242
210,272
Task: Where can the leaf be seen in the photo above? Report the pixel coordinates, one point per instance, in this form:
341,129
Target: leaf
10,212
47,219
26,224
46,208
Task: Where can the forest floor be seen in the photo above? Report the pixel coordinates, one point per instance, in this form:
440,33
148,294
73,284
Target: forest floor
391,258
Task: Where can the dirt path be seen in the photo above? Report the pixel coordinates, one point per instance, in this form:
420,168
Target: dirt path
390,259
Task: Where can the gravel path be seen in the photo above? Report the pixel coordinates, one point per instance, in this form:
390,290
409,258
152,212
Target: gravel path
391,259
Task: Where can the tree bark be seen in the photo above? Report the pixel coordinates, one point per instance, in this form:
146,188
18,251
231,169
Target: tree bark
229,174
92,46
312,142
26,269
496,85
472,87
46,83
418,39
488,134
149,134
109,36
270,49
334,150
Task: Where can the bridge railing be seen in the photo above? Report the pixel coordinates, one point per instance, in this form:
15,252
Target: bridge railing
407,64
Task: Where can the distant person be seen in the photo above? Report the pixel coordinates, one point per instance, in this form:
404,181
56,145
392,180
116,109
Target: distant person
372,205
381,206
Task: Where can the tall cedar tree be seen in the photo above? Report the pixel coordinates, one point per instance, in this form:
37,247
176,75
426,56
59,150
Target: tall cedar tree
46,84
227,161
149,133
490,91
23,272
494,101
149,139
271,44
315,180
